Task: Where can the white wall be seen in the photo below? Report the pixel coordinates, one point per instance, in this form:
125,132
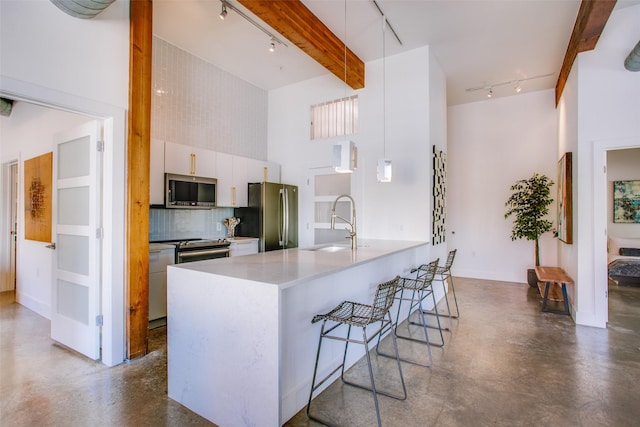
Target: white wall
397,210
89,58
493,144
28,133
622,165
601,113
83,66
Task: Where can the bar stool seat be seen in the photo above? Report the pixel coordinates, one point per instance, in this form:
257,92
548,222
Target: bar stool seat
420,288
359,315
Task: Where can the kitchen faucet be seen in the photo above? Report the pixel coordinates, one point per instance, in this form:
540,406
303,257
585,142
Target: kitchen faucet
352,223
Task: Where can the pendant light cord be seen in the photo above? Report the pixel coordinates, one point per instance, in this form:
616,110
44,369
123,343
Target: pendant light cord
344,102
384,89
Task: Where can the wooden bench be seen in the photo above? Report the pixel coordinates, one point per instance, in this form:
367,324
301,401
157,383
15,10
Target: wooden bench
554,280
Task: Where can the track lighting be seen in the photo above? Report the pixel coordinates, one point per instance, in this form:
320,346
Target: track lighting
274,39
223,13
517,84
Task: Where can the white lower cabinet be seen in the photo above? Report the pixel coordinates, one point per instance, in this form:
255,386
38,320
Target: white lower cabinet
243,246
160,256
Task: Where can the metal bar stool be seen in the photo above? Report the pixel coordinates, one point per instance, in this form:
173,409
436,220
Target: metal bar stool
356,314
443,273
420,288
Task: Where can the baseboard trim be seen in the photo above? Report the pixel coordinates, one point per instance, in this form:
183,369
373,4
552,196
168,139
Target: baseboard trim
32,304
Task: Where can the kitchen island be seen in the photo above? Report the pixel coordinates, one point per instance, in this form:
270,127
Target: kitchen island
241,346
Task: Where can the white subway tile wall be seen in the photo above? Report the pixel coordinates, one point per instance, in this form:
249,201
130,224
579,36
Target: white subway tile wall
170,224
196,103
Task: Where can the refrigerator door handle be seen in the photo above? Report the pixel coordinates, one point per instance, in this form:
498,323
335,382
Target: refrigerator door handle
286,217
281,218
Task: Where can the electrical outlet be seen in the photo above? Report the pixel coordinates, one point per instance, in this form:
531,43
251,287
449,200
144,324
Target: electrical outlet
218,227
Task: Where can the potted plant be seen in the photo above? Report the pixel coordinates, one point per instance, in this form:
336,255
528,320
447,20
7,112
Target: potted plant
529,204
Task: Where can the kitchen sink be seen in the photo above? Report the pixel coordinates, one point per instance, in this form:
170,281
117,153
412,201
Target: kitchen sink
332,248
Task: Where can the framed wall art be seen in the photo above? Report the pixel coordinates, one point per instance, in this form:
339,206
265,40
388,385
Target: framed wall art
439,196
565,199
626,201
37,198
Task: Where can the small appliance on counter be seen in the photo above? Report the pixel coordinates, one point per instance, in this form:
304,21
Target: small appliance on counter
272,216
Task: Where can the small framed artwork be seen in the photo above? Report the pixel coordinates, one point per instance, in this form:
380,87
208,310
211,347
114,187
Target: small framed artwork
626,201
565,199
37,198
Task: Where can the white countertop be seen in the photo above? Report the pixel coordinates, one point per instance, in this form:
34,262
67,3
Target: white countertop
160,246
241,239
285,268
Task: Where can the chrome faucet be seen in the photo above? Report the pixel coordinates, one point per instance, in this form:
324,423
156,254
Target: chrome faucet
352,223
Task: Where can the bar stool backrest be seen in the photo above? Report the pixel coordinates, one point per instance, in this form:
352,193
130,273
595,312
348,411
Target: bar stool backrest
383,299
449,263
426,273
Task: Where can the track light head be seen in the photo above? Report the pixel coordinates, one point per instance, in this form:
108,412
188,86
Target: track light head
490,94
272,46
517,87
223,13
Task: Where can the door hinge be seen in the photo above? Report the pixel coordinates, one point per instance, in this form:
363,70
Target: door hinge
99,320
604,169
100,146
99,233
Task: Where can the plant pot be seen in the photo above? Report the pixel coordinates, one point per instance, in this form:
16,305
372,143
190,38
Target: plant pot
532,278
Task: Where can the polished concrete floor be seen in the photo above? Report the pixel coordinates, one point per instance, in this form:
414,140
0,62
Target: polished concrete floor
504,364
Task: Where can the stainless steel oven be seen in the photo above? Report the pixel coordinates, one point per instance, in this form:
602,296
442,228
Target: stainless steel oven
199,250
190,250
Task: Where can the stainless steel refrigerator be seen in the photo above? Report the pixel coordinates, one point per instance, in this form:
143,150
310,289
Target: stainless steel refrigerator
271,215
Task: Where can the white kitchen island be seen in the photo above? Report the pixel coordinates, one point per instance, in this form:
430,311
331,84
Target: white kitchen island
241,346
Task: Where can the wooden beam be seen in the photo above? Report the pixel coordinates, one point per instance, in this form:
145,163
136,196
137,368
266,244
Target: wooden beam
591,19
296,23
138,140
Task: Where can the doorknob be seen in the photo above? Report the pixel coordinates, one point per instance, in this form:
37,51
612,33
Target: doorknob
52,246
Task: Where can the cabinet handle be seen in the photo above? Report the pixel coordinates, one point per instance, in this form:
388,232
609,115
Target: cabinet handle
193,164
233,196
265,173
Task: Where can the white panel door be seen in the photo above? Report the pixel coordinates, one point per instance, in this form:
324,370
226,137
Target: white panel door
76,282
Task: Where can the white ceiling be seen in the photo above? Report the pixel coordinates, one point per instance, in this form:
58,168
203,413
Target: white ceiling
478,43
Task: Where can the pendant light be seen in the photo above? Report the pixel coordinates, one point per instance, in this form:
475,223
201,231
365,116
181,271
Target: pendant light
384,164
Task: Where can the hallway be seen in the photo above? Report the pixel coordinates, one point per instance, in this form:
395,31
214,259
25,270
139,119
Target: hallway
504,364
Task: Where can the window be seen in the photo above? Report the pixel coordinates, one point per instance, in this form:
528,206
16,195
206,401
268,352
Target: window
334,118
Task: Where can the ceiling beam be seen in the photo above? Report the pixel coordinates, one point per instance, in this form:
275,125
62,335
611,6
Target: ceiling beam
299,25
591,19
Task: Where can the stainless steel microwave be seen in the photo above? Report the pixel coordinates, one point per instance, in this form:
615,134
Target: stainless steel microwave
185,191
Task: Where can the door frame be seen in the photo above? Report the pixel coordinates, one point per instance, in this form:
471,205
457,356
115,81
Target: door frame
600,221
112,258
5,223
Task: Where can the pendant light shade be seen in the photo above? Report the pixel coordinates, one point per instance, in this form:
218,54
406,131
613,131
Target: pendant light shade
384,170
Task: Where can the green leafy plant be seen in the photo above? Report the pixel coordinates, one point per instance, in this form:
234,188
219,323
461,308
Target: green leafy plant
529,204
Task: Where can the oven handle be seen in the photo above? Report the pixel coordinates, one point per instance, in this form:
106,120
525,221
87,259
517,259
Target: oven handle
190,254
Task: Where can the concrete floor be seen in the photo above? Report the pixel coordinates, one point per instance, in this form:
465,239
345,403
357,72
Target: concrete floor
504,364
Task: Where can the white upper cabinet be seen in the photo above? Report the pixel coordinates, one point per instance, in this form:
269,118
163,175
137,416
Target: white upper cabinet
232,172
156,172
188,160
232,180
261,171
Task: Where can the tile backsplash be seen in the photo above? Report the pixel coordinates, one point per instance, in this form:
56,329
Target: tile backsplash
170,224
